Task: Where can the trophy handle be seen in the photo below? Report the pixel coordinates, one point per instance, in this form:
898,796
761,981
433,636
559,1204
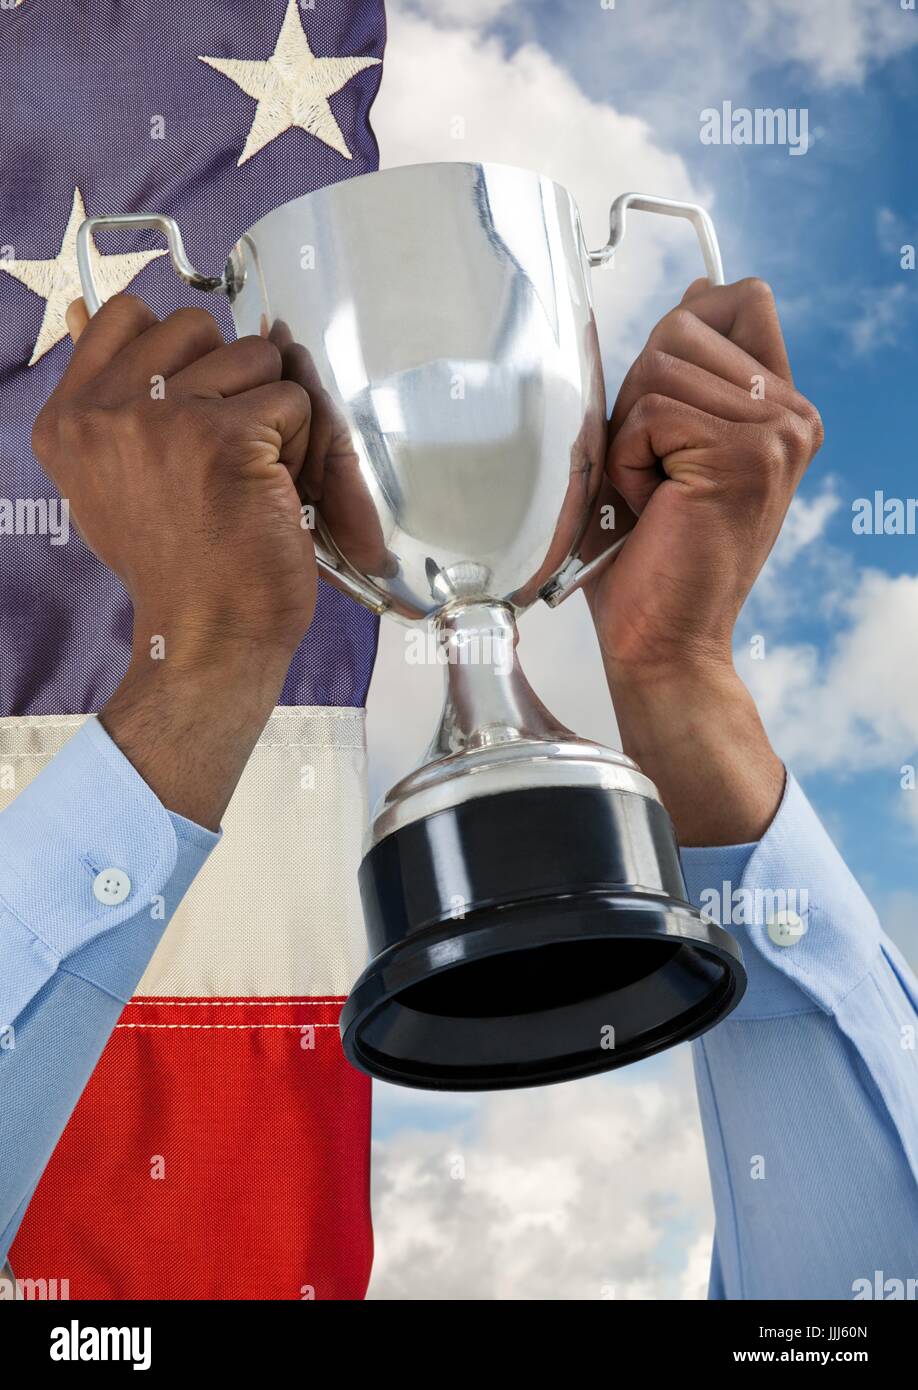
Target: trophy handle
153,222
575,573
229,284
645,202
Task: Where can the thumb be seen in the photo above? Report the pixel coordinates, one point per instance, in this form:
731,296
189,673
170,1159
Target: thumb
696,288
77,318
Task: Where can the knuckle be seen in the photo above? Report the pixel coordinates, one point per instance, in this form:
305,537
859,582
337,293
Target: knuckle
208,423
654,363
126,310
83,426
753,288
649,408
760,462
292,393
776,450
129,425
655,402
795,435
198,326
679,322
262,355
779,442
76,432
814,424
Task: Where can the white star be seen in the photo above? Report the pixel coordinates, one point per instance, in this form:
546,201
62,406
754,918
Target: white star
292,88
58,280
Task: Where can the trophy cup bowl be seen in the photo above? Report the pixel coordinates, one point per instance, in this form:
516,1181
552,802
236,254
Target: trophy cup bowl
525,908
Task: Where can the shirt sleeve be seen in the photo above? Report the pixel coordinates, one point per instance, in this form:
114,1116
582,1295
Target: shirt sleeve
809,1090
92,866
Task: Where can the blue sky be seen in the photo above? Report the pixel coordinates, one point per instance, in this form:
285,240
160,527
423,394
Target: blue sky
606,100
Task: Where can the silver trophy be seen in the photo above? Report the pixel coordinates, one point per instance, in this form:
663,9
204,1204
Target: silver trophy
524,902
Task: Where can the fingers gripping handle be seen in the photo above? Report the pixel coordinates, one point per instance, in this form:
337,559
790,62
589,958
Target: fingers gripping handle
141,221
576,572
229,283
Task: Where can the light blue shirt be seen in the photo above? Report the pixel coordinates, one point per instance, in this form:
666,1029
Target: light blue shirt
808,1092
68,961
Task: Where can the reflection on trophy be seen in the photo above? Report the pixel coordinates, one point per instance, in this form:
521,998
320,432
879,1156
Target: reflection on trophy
523,896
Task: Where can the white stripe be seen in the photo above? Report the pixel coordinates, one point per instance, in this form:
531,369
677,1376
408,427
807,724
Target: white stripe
275,911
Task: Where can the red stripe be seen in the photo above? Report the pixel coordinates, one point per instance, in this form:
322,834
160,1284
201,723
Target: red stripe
220,1150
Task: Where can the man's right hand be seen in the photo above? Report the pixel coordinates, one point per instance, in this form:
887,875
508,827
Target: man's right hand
179,455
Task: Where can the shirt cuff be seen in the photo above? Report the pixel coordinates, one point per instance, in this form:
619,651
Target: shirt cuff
88,847
808,934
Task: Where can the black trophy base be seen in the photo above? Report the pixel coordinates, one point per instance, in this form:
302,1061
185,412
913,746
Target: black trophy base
530,937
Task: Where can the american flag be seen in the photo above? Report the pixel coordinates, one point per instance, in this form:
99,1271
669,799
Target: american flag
221,1148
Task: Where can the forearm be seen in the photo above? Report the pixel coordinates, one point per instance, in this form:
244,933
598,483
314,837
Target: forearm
189,722
698,736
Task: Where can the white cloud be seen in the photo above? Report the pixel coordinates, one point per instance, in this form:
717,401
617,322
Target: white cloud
569,1192
804,575
851,707
649,58
839,40
696,1271
890,231
849,704
473,13
836,41
881,320
806,522
526,110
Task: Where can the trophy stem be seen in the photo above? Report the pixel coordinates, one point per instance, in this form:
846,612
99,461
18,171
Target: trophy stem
489,701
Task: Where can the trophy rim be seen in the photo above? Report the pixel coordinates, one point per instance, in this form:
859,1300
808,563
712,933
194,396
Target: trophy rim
492,933
339,187
579,887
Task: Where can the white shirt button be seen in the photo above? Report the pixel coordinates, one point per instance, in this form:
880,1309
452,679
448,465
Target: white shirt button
786,928
111,887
